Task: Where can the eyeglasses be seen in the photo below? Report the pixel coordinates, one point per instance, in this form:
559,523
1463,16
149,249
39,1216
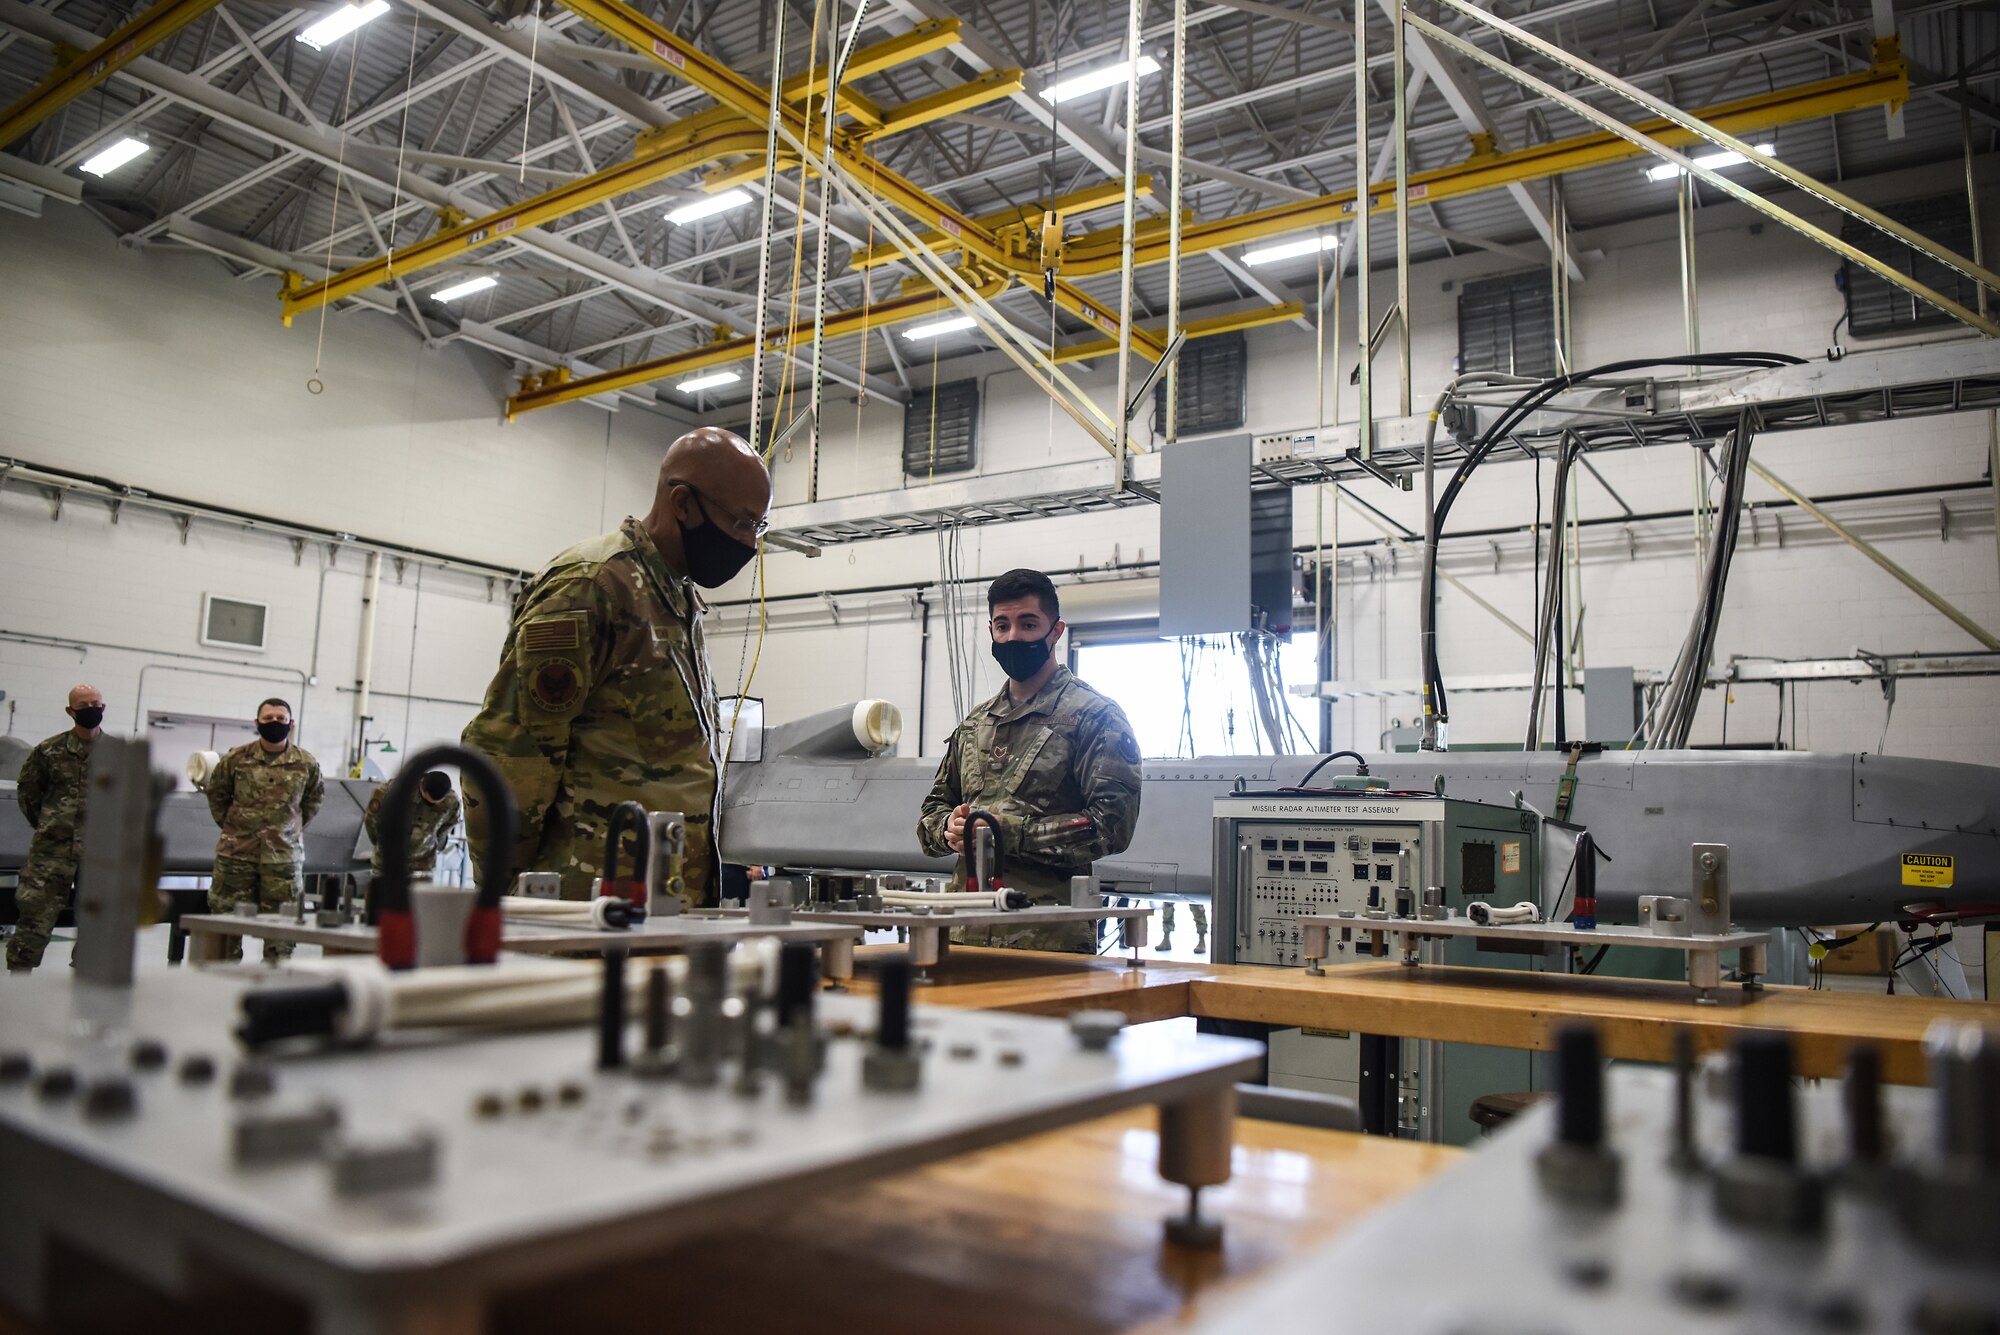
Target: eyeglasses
739,522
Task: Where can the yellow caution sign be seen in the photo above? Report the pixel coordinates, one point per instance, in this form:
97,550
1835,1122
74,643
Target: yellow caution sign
1930,871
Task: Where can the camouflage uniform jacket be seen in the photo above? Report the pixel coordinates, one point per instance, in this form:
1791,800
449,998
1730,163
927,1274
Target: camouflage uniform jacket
263,800
50,792
1060,771
431,825
603,696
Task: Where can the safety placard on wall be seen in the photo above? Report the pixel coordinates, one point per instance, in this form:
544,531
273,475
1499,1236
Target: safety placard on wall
1510,857
1932,871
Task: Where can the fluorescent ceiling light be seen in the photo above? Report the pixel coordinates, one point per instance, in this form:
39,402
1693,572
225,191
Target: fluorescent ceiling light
950,325
709,381
1667,171
342,21
465,289
1291,250
709,207
1110,76
110,159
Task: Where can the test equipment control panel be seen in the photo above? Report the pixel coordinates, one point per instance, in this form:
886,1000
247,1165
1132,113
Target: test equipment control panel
1281,855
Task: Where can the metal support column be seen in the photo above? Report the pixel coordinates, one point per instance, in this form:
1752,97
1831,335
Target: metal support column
1364,204
1123,426
1402,216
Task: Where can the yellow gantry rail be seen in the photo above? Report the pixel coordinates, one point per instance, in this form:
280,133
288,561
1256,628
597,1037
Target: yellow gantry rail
998,243
732,90
548,391
72,78
300,297
687,143
1204,328
1887,81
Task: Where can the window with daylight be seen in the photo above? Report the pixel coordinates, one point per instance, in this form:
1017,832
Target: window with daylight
1507,324
1877,306
1214,386
941,430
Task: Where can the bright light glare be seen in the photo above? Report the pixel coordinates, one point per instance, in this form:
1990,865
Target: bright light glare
1291,250
465,289
937,327
709,381
709,207
1082,85
108,160
1667,171
341,22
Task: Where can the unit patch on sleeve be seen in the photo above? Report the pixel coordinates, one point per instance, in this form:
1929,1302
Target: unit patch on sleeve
554,685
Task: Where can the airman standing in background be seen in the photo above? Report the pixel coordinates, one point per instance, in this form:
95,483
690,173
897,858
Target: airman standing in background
50,792
1053,760
262,794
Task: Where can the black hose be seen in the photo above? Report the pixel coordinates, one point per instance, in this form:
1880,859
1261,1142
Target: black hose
623,815
1360,765
1519,411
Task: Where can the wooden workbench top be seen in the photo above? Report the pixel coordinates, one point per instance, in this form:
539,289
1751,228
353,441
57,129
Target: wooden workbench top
1499,1007
1057,1234
1636,1019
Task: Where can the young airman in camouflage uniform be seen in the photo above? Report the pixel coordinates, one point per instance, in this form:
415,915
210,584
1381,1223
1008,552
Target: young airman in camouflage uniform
1056,762
431,824
604,693
50,791
262,794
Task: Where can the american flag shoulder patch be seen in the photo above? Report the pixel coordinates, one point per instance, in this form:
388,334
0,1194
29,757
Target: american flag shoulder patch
551,634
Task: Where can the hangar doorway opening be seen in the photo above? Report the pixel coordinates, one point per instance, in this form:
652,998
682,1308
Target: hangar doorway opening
1196,696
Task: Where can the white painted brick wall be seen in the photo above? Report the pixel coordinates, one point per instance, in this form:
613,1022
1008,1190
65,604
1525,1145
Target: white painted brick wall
156,369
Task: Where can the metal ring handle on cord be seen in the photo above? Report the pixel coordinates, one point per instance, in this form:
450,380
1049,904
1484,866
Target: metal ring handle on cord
396,940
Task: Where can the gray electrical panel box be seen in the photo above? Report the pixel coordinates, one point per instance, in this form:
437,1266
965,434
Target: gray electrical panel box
1278,856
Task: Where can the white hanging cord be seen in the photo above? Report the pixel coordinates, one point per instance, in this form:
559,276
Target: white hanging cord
315,385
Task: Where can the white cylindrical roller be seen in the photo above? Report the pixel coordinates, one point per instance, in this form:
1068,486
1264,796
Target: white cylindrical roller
878,725
200,765
953,899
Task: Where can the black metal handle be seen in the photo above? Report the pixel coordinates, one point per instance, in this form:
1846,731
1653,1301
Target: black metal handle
973,821
626,815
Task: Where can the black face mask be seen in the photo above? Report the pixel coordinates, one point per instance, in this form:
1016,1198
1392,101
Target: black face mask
274,731
713,556
1020,659
89,717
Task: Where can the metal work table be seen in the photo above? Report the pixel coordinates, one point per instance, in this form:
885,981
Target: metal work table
1703,949
927,929
653,937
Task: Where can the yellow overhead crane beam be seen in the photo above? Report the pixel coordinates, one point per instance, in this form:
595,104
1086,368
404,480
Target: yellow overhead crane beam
1887,81
1020,218
691,142
81,72
732,90
300,297
552,388
1214,324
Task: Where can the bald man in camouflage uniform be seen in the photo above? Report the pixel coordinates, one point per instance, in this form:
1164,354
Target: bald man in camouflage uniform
431,823
50,791
1053,760
262,794
603,693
